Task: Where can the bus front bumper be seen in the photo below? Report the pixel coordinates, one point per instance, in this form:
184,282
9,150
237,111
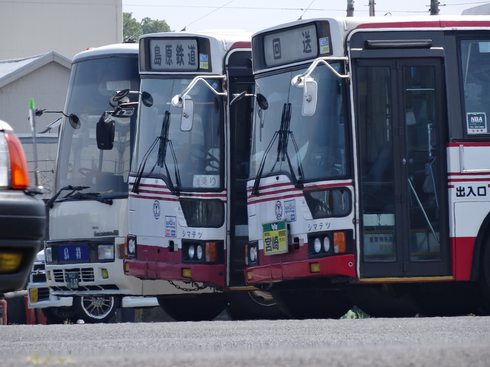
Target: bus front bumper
322,267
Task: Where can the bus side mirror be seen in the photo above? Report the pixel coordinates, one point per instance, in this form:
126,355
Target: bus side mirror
187,114
187,105
105,131
310,97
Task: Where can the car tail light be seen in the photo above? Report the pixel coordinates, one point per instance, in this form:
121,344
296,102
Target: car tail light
16,161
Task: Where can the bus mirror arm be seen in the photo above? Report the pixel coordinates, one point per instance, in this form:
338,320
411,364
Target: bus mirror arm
298,80
185,102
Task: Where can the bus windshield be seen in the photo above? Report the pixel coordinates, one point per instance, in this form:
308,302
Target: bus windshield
305,147
80,162
188,160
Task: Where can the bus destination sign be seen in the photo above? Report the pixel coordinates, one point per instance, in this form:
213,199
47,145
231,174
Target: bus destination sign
294,44
174,55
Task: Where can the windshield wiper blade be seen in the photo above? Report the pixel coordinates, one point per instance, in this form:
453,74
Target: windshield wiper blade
90,196
162,154
160,158
282,150
49,203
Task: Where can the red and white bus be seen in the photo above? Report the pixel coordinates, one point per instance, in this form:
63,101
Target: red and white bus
187,202
370,181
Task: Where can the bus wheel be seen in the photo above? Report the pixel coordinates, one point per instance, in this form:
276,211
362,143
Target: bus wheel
313,304
446,299
95,309
484,276
253,305
383,301
60,315
193,307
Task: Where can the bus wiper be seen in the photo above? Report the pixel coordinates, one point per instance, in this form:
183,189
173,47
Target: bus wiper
162,154
161,158
49,203
89,196
282,154
282,146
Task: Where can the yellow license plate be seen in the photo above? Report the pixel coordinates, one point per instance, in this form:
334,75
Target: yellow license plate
33,295
275,238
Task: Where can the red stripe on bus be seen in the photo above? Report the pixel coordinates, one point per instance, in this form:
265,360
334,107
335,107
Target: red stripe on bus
428,24
250,201
469,144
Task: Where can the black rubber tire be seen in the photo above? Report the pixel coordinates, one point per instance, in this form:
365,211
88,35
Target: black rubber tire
446,299
16,307
385,300
199,307
253,305
60,315
313,304
96,309
484,276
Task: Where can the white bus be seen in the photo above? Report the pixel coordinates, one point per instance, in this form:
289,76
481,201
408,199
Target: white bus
88,215
187,204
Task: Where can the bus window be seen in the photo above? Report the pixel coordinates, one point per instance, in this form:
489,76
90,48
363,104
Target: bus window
475,60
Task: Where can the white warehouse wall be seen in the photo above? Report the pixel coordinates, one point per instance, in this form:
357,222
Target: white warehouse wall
33,27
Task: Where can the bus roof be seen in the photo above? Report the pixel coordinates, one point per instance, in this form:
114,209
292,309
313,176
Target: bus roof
230,38
345,25
118,48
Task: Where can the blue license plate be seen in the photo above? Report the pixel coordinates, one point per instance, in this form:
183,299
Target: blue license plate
73,253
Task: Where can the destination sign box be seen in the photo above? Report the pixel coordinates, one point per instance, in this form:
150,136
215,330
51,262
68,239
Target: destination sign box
174,55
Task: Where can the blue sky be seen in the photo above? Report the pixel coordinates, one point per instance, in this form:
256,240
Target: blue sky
254,15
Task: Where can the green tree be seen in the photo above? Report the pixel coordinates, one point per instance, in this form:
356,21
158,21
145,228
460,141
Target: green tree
154,26
134,29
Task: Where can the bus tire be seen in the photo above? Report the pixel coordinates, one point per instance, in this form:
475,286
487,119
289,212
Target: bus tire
313,304
446,299
484,276
193,307
253,305
60,315
96,309
383,301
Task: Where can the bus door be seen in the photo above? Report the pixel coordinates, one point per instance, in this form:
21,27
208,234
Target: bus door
400,126
240,123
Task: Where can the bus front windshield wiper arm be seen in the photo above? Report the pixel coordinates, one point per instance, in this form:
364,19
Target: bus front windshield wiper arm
162,148
89,196
49,203
283,133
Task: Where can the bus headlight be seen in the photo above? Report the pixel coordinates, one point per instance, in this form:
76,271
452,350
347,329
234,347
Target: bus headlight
105,252
199,252
317,246
132,246
326,244
191,251
48,255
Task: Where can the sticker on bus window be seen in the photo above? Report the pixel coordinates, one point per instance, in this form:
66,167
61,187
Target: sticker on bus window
203,61
206,181
324,46
476,123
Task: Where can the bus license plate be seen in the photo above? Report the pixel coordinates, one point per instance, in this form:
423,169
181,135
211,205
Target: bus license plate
275,238
71,279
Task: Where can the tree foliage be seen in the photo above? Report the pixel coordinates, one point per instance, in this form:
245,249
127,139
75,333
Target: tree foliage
134,29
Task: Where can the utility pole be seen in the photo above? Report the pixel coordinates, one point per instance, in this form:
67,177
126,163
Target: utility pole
371,8
350,8
434,7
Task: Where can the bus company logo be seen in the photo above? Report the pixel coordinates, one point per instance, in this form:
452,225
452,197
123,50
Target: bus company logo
279,210
276,47
156,209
